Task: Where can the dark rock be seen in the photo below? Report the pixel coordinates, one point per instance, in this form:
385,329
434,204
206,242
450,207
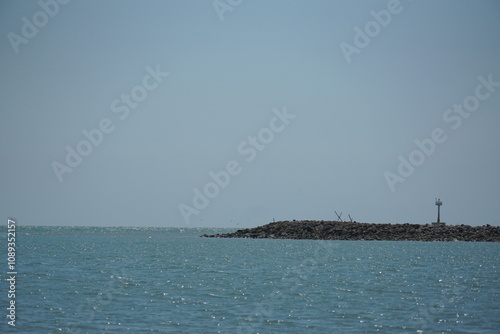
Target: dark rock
335,230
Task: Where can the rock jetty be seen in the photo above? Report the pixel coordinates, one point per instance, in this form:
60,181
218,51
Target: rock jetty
337,230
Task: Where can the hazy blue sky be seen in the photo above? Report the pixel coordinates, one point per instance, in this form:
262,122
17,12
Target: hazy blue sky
353,94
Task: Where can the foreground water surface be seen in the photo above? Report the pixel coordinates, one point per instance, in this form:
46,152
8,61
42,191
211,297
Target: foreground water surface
169,280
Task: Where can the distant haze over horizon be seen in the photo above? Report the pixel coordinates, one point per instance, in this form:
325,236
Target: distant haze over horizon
234,113
237,226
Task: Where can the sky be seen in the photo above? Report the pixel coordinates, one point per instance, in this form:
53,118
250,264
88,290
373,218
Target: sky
235,113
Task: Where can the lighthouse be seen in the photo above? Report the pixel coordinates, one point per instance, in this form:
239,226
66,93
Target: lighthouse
438,204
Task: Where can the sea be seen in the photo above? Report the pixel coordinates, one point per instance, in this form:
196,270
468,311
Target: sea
171,280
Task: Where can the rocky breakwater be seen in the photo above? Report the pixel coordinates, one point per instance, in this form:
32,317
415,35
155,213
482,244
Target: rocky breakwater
336,230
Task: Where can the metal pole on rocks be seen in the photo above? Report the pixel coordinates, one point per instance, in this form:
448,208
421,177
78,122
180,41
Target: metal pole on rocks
439,203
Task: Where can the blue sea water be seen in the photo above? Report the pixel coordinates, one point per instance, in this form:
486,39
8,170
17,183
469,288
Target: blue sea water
169,280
